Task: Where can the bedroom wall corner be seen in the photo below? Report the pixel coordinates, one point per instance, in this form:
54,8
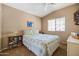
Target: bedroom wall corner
0,24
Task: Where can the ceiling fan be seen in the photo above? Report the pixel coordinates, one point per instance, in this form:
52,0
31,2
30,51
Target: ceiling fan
47,5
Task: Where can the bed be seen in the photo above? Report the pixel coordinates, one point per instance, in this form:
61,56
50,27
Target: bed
41,44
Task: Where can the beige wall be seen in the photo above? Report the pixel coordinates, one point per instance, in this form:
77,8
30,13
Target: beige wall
14,20
68,12
0,26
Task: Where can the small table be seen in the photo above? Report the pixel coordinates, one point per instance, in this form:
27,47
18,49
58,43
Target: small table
14,41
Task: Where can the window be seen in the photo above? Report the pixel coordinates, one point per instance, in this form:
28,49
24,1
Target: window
57,24
51,25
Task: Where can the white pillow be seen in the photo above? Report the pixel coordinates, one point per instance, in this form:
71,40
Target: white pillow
28,32
35,32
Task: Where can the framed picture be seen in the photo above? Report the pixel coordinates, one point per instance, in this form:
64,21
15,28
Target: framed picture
29,24
76,17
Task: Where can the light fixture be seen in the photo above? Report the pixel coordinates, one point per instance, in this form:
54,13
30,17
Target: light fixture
46,5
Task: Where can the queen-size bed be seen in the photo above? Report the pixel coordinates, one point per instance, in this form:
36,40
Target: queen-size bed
40,44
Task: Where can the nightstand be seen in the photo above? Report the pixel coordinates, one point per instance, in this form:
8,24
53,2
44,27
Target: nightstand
14,41
41,32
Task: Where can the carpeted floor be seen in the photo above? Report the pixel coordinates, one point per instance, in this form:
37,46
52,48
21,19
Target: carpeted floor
23,51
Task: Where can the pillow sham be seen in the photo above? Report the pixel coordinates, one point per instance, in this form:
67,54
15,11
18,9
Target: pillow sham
28,32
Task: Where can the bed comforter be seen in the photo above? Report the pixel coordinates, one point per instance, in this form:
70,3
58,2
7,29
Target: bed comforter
41,44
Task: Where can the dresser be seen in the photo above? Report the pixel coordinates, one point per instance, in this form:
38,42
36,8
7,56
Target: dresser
72,46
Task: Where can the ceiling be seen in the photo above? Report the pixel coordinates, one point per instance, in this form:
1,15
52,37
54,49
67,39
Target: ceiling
39,9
